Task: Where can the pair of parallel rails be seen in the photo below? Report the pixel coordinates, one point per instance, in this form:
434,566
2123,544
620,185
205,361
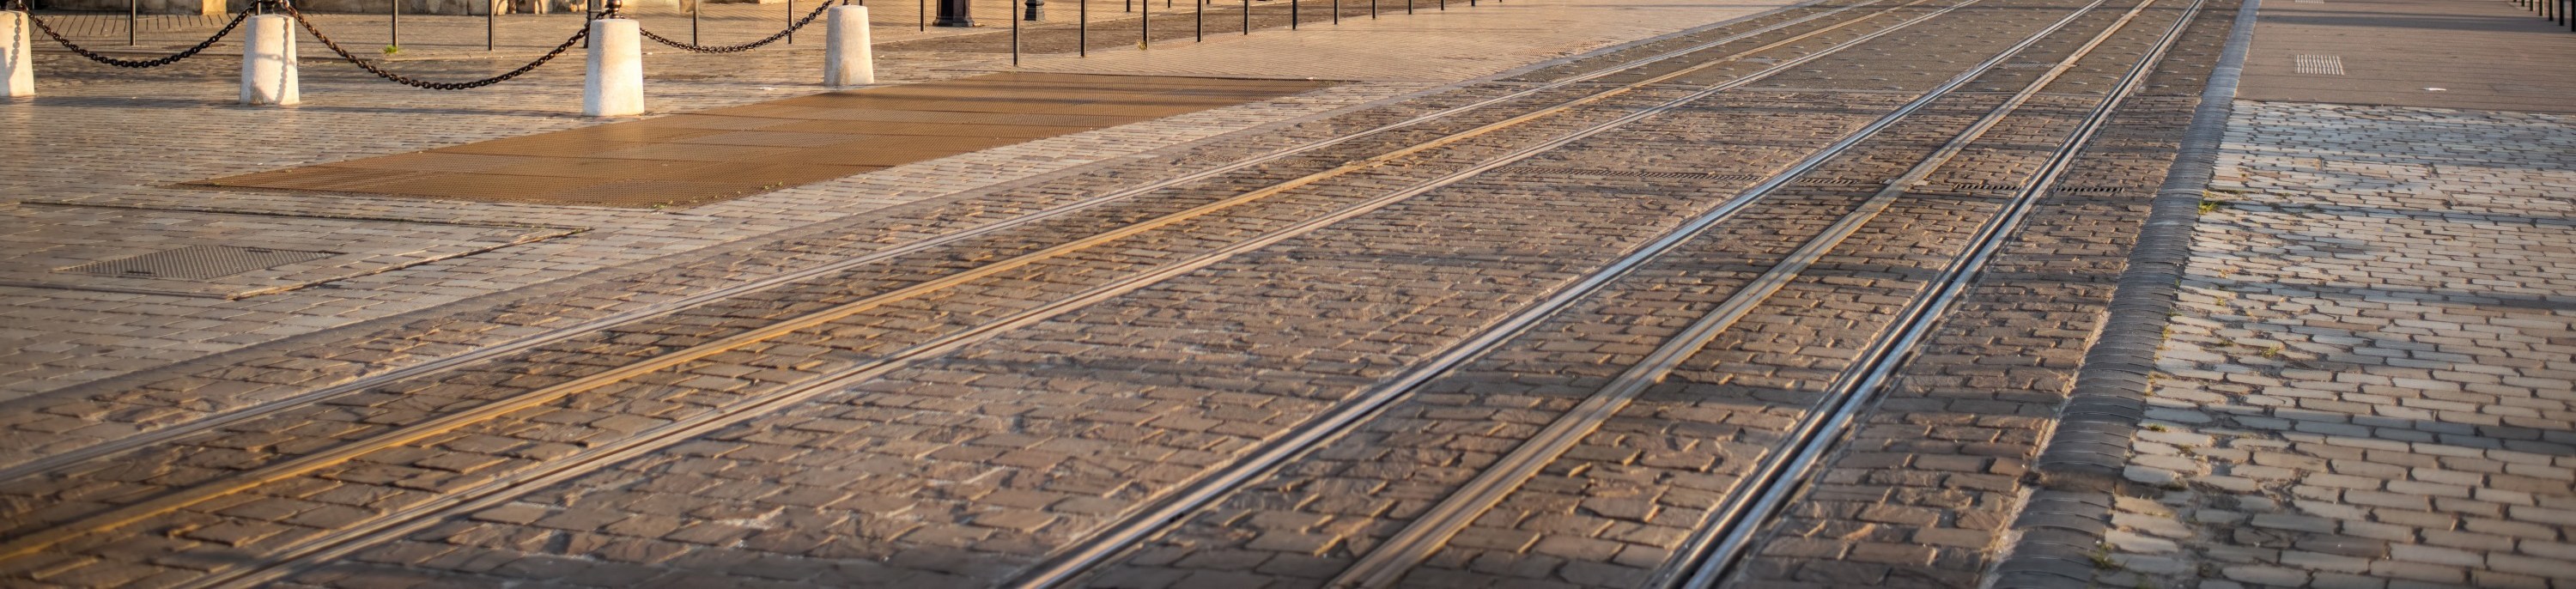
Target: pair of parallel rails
1713,548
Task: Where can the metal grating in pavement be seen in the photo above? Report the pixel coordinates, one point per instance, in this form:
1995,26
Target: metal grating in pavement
2325,65
198,262
726,153
1644,173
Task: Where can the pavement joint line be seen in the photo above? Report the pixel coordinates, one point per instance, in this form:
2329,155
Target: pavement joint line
1311,435
1398,554
1861,382
62,460
177,500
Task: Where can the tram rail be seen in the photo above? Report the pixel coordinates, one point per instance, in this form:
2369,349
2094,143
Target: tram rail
46,535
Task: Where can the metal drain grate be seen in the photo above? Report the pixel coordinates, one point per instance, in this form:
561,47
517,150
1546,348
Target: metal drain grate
1643,174
1985,187
2098,189
2326,65
1834,182
198,262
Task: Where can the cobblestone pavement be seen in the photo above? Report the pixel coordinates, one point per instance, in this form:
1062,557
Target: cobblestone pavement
195,468
963,372
83,337
1618,509
914,484
2368,381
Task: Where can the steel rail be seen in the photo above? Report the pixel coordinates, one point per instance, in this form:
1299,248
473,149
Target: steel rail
1139,525
245,480
1782,478
63,460
1431,530
501,488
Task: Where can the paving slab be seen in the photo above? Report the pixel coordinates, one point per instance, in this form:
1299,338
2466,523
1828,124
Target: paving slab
2481,54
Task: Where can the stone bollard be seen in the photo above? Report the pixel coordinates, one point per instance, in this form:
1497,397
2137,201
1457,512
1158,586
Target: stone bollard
16,65
847,58
613,83
268,61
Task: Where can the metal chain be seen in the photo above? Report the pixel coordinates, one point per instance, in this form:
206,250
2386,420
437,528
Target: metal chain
137,63
773,37
426,84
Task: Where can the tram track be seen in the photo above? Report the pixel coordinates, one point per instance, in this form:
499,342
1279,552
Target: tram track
1709,552
57,462
608,453
1721,545
497,492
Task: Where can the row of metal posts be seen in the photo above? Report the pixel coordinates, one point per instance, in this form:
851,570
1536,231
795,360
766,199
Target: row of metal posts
2556,11
492,25
1145,21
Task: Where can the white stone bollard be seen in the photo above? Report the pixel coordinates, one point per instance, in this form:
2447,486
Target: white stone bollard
613,83
268,61
847,58
16,65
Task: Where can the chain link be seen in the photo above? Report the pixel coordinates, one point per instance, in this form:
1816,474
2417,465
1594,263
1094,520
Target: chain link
426,84
136,63
773,37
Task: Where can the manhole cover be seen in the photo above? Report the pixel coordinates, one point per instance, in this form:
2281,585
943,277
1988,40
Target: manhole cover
198,262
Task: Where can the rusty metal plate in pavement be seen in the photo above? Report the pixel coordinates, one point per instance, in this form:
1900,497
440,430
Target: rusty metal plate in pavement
727,153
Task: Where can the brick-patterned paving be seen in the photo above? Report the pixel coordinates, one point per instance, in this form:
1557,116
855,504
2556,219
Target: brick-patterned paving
2369,383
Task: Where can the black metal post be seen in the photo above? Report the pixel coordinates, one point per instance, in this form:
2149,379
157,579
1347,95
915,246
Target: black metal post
1082,28
1015,42
394,27
132,11
1144,25
921,16
491,22
1247,17
1292,15
956,13
791,22
1372,9
695,7
1408,6
1032,10
1198,29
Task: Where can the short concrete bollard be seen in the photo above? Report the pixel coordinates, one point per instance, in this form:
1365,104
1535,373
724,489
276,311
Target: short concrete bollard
268,61
613,84
847,58
16,65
